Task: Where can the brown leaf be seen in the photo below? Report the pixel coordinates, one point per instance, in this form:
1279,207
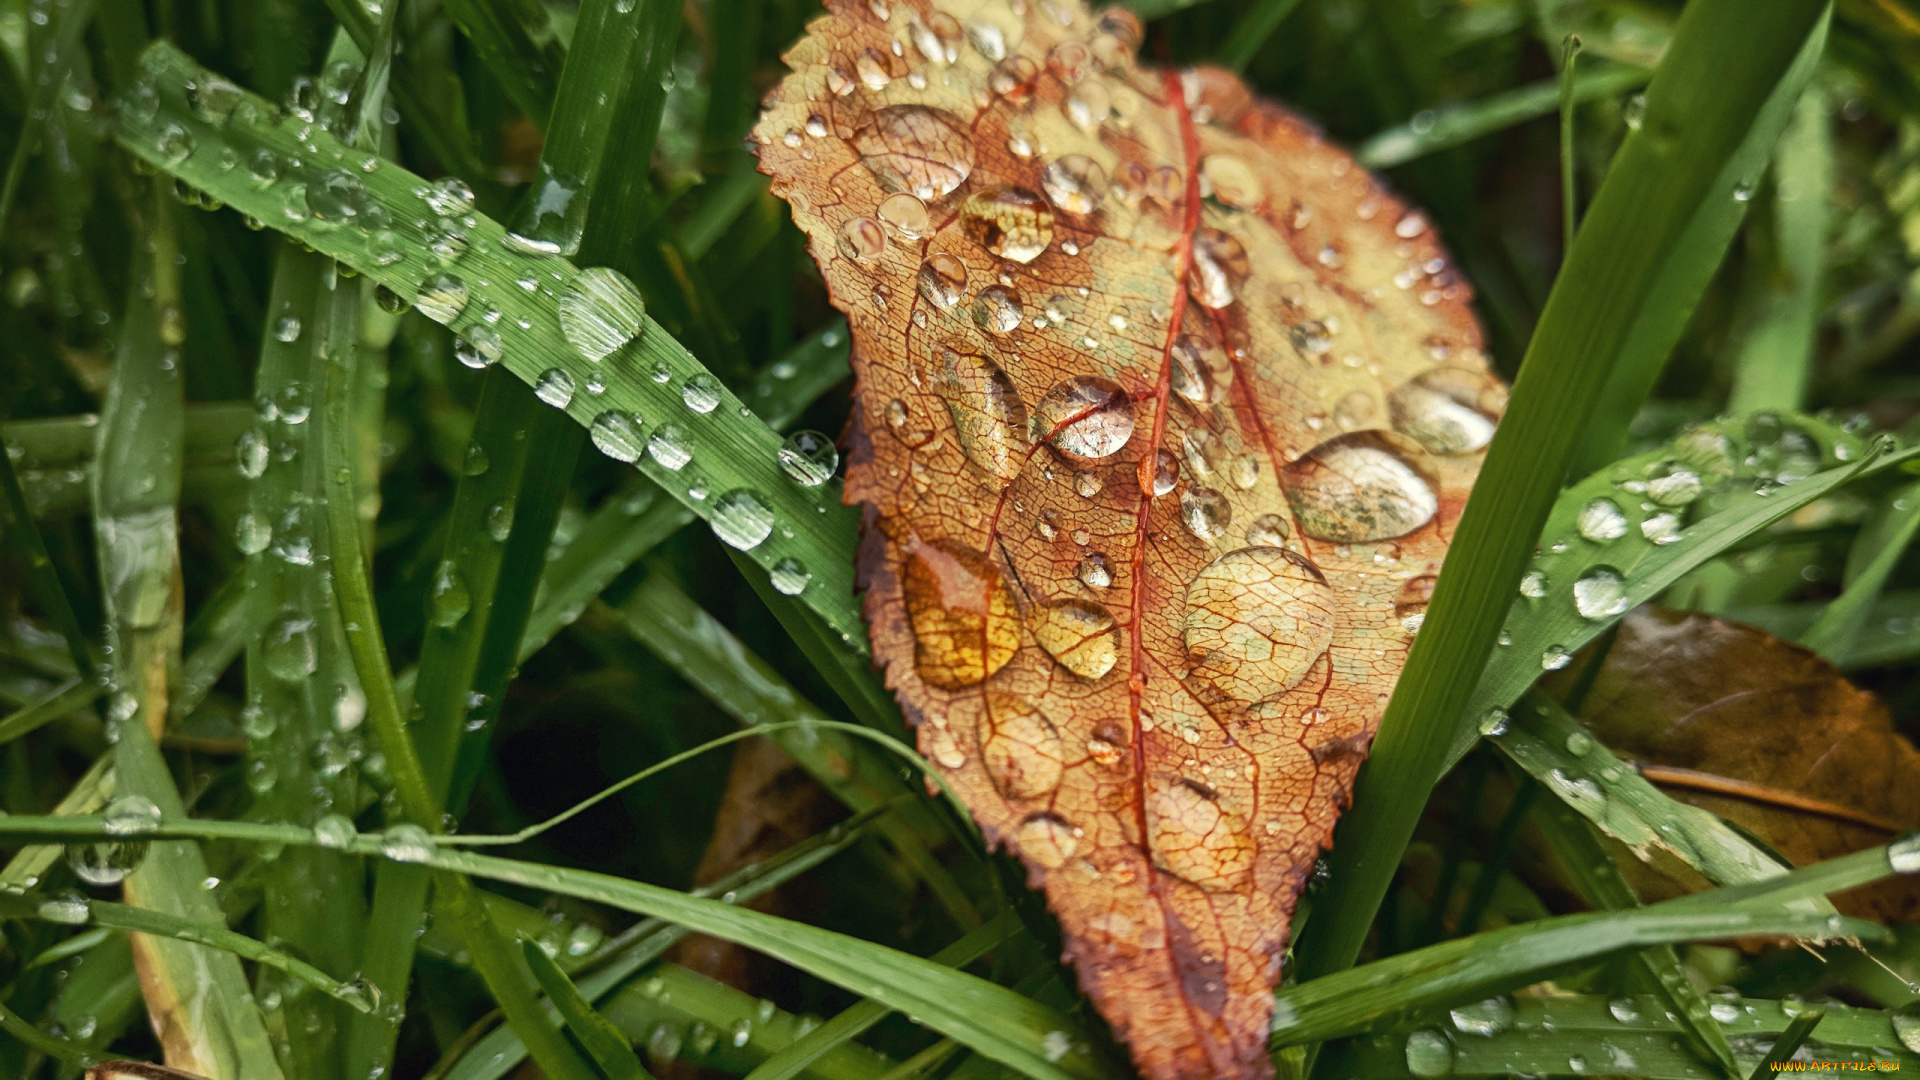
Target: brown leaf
1165,409
1764,733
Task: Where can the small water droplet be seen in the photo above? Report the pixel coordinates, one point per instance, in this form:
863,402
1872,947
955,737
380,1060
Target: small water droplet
1085,417
1429,1054
1555,657
288,649
741,519
1080,635
616,433
1600,593
407,843
1010,222
789,576
449,600
943,279
998,310
555,387
670,448
442,298
809,458
1095,572
701,393
861,239
600,312
1205,512
1601,521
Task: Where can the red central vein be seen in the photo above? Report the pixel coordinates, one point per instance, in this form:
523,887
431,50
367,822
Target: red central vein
1136,676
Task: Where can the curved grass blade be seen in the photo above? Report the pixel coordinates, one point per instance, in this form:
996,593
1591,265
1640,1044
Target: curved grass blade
63,700
1877,551
1616,539
1776,359
1603,887
607,971
1622,1034
1789,1042
848,1026
1608,312
1466,969
608,1048
200,997
1457,125
715,450
51,1045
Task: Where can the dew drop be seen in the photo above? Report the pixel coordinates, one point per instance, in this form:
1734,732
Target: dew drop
1555,657
701,393
789,577
1075,183
288,649
998,310
1205,512
1257,620
1080,635
1662,528
1429,1054
1601,520
861,239
1489,1017
989,417
1085,417
1094,571
1010,222
741,519
1047,840
912,148
334,832
555,387
1674,487
965,624
406,843
600,311
1220,268
1600,593
442,298
1197,836
1166,472
670,448
1198,369
809,458
906,214
943,279
449,600
1440,410
617,434
1358,488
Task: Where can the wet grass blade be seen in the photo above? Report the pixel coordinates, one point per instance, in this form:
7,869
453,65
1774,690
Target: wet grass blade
608,1048
1243,43
1876,553
1627,1033
201,994
718,450
1608,792
1776,359
63,700
1603,887
1457,125
1789,1042
51,1045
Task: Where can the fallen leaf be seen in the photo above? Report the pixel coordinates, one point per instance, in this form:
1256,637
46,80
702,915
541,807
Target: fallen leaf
1164,411
1765,734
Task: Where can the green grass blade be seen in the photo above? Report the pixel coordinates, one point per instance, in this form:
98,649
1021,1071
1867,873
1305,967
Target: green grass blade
1886,635
1457,125
1651,550
500,1051
1789,1042
609,1049
1564,757
1467,969
732,476
1243,43
1569,193
1725,61
1592,869
515,41
90,793
63,700
51,1045
1630,1035
849,1024
1776,359
202,994
1876,553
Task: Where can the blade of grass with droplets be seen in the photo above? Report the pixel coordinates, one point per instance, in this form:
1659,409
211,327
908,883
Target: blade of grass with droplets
1541,1036
199,994
602,1041
1775,361
705,653
515,40
1725,63
1457,125
135,920
1617,539
993,1020
1886,636
1877,551
89,794
1789,1042
1467,969
53,1046
1599,881
657,398
500,1051
305,699
63,700
851,1022
1558,752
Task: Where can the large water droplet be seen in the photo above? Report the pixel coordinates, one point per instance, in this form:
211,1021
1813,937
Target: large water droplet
1076,183
1095,572
989,417
997,310
252,533
442,298
617,434
449,600
701,393
670,448
555,387
600,311
448,197
1358,488
906,215
809,458
965,624
943,279
1197,836
109,863
334,832
1674,486
1269,530
915,149
861,239
1257,620
1080,635
1442,409
1047,840
741,519
1085,417
1010,222
1600,593
251,453
789,576
407,843
1198,369
1205,512
1489,1017
288,649
1429,1054
1220,269
1020,747
1601,521
1662,528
